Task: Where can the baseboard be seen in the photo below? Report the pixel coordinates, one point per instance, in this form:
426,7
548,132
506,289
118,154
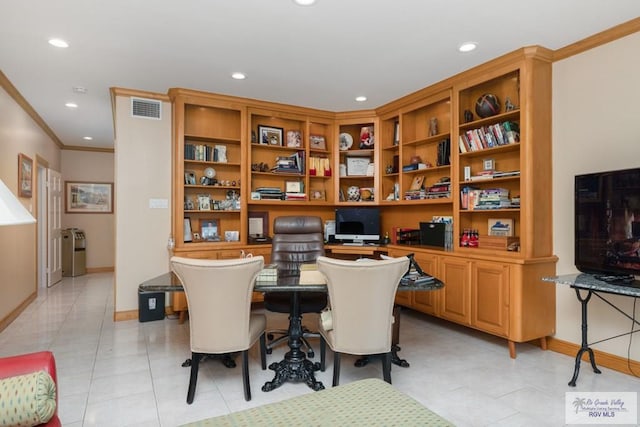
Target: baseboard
100,270
16,312
608,360
119,316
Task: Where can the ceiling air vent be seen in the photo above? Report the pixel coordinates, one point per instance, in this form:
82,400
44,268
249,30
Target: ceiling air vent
146,108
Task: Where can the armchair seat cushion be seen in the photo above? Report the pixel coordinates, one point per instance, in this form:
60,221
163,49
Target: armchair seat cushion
27,400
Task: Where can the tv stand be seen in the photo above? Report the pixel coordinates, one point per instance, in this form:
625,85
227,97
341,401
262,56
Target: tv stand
593,286
614,279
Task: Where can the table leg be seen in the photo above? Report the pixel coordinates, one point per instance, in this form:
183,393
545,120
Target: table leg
295,366
395,339
585,344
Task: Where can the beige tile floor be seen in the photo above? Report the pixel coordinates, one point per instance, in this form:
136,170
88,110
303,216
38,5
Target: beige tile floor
129,373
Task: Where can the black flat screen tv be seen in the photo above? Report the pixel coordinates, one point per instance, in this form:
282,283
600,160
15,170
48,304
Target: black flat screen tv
358,225
607,224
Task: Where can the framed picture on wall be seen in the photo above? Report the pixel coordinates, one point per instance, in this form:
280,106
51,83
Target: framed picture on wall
88,197
25,176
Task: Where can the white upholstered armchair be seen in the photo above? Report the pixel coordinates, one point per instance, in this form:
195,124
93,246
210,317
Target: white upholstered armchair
361,297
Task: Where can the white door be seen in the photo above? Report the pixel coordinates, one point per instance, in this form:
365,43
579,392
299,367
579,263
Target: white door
54,226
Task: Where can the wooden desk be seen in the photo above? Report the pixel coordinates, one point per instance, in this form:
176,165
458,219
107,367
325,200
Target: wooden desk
350,252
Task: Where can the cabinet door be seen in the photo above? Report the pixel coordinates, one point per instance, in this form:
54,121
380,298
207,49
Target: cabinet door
426,301
455,297
490,297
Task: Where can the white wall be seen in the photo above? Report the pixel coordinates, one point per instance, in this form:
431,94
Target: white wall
91,166
596,111
142,172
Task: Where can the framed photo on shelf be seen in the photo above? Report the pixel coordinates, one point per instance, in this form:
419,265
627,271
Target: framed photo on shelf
294,138
317,142
204,202
269,135
189,177
88,197
500,227
293,187
318,195
258,224
25,176
417,182
367,139
209,230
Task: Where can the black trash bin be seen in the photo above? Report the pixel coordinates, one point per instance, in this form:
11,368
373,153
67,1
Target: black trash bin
150,306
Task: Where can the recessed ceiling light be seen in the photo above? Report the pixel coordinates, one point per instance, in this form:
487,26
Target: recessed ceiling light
304,2
71,105
87,138
467,46
239,76
58,43
361,98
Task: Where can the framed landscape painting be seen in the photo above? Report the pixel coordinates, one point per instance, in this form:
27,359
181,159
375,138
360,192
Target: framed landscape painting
88,197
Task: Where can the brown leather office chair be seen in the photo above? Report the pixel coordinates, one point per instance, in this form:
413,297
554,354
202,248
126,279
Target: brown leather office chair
220,320
296,240
362,295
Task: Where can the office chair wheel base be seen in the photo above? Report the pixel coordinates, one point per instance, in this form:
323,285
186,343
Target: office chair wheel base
268,350
270,337
310,354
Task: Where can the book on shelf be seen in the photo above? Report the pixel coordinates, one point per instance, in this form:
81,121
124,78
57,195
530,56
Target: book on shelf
295,196
490,136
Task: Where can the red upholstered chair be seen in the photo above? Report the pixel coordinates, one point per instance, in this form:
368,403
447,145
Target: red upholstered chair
29,363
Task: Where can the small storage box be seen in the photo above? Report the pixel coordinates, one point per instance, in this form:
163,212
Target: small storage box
496,242
432,234
150,306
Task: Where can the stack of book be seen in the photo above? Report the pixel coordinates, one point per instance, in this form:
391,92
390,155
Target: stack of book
494,198
270,193
439,190
415,194
290,164
295,196
268,274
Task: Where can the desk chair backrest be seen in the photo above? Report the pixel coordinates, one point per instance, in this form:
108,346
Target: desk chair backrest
362,295
219,297
296,240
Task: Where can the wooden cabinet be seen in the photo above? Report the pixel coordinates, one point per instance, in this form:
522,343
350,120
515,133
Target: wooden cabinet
512,149
356,158
291,158
455,298
490,297
209,200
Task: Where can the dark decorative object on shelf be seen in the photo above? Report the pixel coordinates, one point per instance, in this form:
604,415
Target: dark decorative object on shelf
468,116
487,105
